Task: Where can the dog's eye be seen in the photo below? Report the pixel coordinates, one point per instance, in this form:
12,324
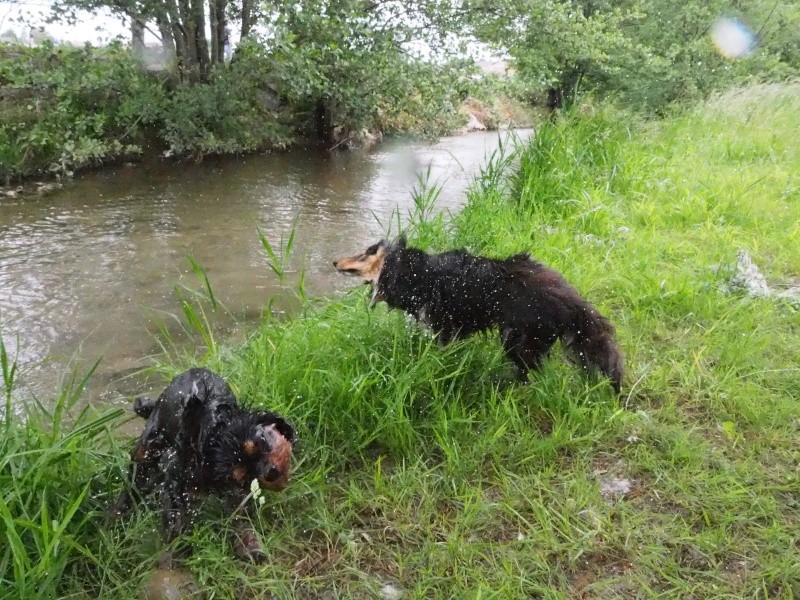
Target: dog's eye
372,250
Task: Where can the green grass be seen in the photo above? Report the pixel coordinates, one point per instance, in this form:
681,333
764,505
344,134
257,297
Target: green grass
428,469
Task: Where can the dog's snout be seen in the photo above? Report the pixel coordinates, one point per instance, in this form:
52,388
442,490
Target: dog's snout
335,263
272,473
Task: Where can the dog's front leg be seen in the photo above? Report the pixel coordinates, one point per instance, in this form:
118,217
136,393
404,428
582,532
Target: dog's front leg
143,474
247,542
174,498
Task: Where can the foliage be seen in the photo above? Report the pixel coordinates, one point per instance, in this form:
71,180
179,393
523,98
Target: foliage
193,32
70,108
346,66
48,463
232,112
333,69
648,52
322,71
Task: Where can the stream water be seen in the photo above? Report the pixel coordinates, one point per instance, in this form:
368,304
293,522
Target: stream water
88,272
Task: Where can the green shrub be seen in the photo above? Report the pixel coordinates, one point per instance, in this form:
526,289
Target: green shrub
73,108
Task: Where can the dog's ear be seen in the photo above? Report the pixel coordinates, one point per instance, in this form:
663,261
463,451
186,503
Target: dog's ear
281,425
401,240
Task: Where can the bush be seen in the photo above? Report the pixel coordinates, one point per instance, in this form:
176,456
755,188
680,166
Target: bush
71,108
230,113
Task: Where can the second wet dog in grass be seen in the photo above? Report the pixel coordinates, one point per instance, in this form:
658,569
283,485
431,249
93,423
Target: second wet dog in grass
457,294
197,439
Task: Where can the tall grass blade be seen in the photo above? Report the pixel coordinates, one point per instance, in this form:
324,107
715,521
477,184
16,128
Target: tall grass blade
201,274
9,367
273,261
290,242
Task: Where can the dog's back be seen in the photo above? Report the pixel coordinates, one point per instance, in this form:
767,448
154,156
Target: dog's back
458,294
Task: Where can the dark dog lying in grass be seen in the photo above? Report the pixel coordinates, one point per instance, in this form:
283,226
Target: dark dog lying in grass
197,439
457,294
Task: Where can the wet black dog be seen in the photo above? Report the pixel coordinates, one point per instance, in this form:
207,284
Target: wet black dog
457,294
197,439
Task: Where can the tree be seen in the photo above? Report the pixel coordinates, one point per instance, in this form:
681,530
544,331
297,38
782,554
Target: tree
180,24
9,36
648,52
342,61
559,45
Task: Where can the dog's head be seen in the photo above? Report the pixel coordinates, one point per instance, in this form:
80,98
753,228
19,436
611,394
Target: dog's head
369,264
261,449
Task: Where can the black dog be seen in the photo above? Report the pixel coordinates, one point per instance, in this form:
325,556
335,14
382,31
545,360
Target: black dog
197,439
457,294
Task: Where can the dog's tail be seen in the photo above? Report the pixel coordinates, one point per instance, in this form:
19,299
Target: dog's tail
143,406
590,343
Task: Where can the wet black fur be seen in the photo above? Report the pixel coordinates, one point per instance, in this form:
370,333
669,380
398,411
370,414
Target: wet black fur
191,444
457,294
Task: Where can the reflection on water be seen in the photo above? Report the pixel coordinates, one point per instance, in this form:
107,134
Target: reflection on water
87,273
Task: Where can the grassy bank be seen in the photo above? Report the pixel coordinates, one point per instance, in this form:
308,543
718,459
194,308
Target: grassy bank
430,472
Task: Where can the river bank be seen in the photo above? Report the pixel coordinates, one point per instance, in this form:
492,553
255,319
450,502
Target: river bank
424,472
65,110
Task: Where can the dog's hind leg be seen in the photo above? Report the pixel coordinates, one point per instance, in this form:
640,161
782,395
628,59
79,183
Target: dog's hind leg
526,351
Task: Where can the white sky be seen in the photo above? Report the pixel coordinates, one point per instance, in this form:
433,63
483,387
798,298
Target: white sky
96,29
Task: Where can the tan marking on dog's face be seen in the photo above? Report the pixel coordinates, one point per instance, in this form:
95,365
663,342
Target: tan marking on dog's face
279,457
366,265
249,447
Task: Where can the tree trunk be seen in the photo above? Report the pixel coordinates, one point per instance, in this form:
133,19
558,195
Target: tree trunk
165,30
176,13
195,61
565,93
213,17
218,24
137,37
222,28
198,28
247,17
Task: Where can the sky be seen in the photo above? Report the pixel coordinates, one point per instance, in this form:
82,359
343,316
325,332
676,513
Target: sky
101,27
96,29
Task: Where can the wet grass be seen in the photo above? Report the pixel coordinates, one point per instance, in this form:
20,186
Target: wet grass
429,471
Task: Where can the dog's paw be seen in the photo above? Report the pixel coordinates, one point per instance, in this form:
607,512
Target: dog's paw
143,406
121,508
248,546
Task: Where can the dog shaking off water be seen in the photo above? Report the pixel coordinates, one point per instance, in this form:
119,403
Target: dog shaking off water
198,439
457,294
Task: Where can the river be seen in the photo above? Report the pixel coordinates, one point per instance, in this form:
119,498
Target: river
89,272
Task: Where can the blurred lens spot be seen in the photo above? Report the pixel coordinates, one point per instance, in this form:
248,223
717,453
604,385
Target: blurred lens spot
732,38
